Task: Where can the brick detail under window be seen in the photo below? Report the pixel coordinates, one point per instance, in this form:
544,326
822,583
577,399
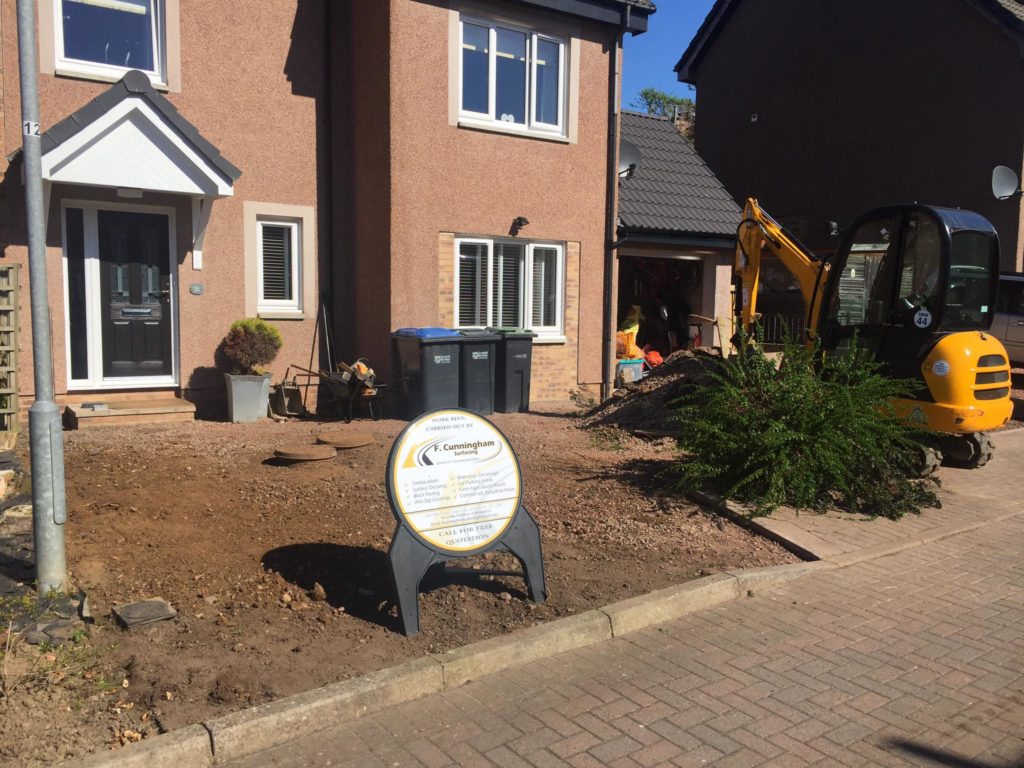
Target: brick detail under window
555,366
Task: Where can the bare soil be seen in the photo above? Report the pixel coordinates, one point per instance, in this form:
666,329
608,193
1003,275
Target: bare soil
279,573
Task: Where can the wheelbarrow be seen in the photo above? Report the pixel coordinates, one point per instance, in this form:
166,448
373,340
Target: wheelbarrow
351,384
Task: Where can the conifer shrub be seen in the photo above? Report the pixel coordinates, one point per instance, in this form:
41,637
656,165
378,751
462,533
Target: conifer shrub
250,345
813,432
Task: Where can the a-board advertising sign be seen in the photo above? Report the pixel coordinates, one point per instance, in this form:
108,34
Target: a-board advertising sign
455,488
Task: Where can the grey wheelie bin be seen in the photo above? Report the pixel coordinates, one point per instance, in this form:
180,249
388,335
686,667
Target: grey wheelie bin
427,362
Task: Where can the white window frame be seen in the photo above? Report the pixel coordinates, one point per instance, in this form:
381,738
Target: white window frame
490,118
110,72
544,332
280,305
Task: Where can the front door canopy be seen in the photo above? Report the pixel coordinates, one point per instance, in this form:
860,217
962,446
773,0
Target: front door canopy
131,136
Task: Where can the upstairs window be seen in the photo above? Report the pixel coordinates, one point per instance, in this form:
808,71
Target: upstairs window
106,38
512,77
512,284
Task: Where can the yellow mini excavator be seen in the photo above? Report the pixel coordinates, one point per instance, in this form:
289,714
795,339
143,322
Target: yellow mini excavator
916,285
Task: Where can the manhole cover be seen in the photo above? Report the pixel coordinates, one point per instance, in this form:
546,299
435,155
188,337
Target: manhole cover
344,440
306,452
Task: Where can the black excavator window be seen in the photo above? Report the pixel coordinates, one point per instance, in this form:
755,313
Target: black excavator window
971,292
860,296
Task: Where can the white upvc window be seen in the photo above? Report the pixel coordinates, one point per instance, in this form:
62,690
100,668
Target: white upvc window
512,77
510,283
103,39
278,277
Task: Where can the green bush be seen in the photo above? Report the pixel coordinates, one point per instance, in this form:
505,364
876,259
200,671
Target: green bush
810,433
250,345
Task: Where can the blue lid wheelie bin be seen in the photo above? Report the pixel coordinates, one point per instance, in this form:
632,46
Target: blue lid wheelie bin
427,362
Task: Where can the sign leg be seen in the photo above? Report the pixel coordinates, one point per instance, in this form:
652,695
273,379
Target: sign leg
522,539
409,562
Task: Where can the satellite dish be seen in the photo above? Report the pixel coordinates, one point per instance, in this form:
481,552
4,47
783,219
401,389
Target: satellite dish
1004,183
629,158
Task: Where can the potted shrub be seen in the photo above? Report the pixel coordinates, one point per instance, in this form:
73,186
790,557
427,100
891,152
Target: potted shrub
250,345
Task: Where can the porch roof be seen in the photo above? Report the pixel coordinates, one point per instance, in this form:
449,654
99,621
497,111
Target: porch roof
132,136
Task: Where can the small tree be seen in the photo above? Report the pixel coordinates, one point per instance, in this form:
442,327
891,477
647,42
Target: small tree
810,433
661,104
250,345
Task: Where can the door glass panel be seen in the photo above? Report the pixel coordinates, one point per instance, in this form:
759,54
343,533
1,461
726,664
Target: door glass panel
510,77
476,62
1009,299
974,259
151,284
78,338
120,292
861,295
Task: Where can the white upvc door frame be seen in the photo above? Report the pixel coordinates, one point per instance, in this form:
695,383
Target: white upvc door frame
93,308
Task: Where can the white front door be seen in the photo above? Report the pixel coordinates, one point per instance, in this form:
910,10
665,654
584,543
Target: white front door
120,296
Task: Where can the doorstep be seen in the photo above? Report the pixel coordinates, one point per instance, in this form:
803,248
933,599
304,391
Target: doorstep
155,410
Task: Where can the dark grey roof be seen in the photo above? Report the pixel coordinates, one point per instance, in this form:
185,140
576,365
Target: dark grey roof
1009,13
604,11
672,190
135,83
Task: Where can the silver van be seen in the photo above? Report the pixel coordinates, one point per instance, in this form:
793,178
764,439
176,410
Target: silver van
1008,324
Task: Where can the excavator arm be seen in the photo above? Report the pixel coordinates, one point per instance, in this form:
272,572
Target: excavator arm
756,231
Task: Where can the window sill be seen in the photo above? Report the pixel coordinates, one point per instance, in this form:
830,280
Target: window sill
64,70
280,314
550,340
511,130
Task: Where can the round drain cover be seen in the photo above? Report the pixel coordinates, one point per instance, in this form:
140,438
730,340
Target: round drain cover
345,440
305,452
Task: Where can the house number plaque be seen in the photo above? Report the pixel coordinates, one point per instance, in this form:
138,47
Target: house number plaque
456,490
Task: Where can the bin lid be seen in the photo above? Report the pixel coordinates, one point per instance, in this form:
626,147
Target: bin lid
630,361
477,334
427,333
511,331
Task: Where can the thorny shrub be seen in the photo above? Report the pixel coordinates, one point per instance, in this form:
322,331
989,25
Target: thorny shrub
813,432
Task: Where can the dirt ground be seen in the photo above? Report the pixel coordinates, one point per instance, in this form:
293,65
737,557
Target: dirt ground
279,573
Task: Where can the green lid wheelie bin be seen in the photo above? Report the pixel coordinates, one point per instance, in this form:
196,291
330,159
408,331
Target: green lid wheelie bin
512,370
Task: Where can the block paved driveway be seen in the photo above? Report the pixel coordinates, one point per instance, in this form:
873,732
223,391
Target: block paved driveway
915,658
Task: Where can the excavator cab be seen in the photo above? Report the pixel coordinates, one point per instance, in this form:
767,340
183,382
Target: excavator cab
917,286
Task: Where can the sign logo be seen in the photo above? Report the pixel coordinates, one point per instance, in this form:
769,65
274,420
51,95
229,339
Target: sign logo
917,416
941,368
922,318
442,359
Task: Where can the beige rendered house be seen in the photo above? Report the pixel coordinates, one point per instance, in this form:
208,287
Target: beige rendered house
379,163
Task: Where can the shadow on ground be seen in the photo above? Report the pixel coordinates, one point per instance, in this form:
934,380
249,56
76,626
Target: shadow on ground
358,579
944,757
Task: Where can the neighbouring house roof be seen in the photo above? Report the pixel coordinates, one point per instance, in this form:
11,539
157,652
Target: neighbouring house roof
629,15
135,85
672,190
1008,13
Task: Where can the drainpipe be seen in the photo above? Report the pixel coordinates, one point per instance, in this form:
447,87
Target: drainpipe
49,512
611,246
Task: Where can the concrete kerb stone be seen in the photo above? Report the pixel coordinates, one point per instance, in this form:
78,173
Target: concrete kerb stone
185,747
253,730
664,605
488,657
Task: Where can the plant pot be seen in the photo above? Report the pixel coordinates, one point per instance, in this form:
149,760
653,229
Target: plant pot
248,397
